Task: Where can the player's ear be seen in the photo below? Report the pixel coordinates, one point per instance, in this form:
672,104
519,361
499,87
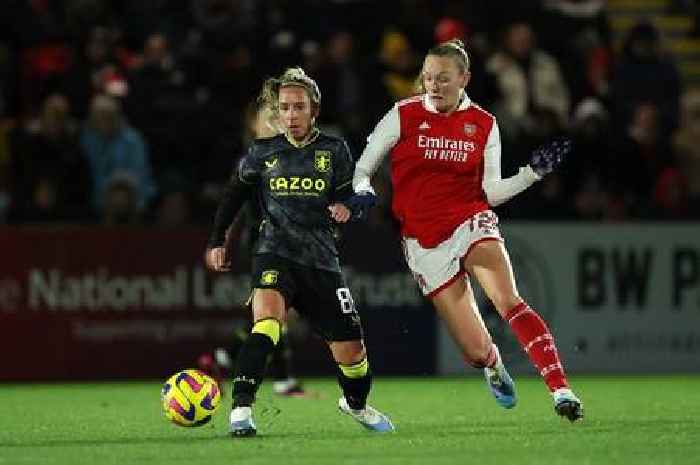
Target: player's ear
466,77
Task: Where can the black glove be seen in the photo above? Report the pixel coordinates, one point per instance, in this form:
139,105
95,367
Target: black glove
360,204
547,157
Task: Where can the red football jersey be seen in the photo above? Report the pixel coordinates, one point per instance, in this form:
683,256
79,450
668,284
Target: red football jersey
437,168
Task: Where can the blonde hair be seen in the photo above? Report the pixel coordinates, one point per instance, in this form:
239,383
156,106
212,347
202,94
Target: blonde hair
454,49
260,122
269,96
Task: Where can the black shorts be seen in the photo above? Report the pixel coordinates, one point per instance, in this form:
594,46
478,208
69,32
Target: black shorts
321,297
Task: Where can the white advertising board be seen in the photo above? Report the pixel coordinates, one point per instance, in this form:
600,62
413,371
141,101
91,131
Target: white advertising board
618,298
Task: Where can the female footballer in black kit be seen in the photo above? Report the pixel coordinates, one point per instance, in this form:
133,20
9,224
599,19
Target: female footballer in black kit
302,180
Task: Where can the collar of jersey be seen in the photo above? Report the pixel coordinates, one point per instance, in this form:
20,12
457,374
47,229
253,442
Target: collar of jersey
465,102
312,136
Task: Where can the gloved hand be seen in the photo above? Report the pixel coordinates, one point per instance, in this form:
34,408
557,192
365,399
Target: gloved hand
547,157
360,204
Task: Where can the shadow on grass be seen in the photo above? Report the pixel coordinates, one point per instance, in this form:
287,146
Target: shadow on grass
118,440
175,440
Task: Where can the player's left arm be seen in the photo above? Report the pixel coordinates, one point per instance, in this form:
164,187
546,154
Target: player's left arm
347,205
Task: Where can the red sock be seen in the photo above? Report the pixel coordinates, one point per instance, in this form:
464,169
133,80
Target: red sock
537,341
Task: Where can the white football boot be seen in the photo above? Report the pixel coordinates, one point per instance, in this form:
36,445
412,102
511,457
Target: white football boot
242,424
501,385
369,417
567,405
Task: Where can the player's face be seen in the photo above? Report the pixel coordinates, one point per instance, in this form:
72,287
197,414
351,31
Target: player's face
297,114
443,80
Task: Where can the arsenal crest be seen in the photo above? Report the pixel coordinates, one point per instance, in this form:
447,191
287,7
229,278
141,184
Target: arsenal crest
469,129
322,160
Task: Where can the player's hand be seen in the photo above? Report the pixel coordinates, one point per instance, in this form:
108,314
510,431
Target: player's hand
339,212
215,259
360,204
547,157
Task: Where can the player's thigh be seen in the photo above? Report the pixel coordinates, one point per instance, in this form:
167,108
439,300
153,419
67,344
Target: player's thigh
347,352
489,263
457,298
274,287
325,301
269,303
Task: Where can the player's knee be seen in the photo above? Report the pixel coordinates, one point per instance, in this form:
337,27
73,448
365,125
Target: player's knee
348,352
479,356
270,327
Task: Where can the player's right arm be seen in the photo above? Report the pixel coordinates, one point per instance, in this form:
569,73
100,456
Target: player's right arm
385,135
236,193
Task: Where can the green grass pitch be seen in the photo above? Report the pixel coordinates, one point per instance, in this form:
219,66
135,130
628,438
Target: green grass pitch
629,420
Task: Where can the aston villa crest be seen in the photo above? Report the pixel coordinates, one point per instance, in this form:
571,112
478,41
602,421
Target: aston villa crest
322,160
269,277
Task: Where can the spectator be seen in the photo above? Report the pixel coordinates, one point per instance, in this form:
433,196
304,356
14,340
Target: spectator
121,201
686,143
577,33
340,79
112,147
173,207
93,69
158,101
585,175
646,74
51,176
396,71
533,92
640,157
671,200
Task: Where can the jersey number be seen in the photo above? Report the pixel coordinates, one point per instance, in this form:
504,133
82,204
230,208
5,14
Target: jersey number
347,305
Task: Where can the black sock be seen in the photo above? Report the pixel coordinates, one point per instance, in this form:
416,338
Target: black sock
250,368
280,362
355,390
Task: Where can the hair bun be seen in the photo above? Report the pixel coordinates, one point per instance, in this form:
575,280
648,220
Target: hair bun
456,43
296,73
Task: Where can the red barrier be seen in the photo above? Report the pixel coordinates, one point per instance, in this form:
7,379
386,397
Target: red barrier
95,303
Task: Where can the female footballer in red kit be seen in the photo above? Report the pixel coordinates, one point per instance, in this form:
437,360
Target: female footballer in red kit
446,174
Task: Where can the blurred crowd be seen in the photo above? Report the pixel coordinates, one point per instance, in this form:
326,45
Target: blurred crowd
135,111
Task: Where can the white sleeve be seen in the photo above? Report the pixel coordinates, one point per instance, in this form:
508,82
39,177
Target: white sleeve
385,135
500,190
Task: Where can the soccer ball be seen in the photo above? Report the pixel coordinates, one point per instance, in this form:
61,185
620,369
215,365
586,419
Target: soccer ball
190,398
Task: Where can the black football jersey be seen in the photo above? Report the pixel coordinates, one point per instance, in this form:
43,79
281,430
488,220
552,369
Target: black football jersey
293,185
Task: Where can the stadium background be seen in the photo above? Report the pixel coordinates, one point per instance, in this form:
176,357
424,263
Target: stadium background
101,238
